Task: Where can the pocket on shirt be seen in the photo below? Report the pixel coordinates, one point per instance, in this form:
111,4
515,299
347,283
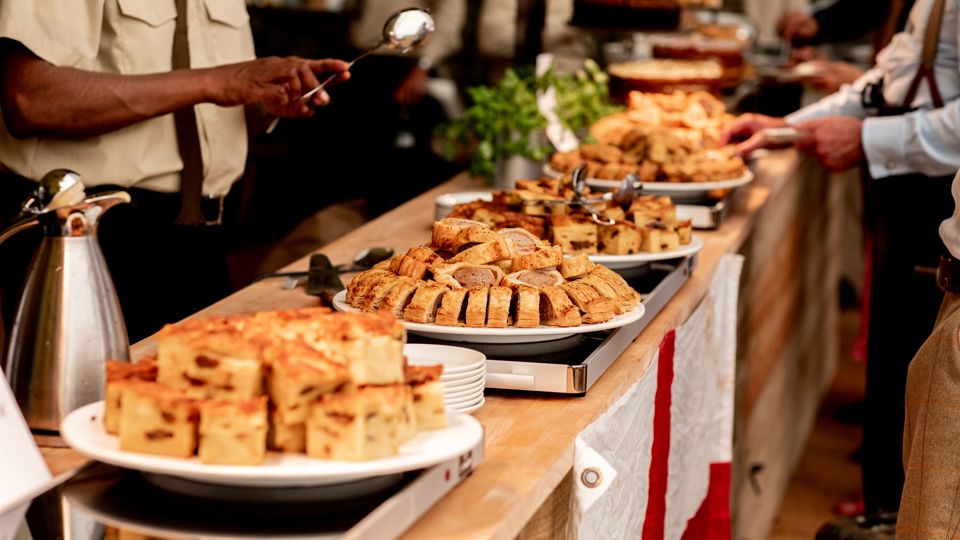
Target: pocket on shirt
230,30
143,31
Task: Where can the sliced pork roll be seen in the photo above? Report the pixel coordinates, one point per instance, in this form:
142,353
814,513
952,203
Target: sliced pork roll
537,279
461,275
452,307
397,299
488,252
556,309
498,307
471,236
548,257
476,315
446,230
425,303
594,307
523,240
527,307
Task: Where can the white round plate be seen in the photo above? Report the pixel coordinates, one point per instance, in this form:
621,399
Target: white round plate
472,391
464,376
462,401
457,362
83,430
446,202
460,384
620,262
502,335
665,188
471,408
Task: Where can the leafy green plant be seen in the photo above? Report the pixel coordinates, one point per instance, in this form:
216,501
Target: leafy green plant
504,121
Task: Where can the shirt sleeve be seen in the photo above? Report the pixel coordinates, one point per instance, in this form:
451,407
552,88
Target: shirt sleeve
844,102
927,142
449,16
62,32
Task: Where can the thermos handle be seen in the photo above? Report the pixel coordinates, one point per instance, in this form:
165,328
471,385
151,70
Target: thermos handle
22,225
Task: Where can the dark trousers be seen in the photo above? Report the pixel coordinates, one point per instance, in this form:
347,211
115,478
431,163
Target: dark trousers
903,217
162,272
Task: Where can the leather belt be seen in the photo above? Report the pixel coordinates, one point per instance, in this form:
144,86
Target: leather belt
948,274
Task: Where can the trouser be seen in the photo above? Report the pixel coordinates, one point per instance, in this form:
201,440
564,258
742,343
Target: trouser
903,218
931,493
162,272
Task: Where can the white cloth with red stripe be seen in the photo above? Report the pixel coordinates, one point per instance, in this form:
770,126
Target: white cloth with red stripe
619,443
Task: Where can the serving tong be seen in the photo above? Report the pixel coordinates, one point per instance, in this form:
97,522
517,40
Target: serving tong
622,196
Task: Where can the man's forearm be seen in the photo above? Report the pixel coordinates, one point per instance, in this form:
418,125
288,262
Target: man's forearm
42,99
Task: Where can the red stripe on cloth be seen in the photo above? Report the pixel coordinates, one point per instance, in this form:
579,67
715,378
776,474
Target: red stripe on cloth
653,525
712,521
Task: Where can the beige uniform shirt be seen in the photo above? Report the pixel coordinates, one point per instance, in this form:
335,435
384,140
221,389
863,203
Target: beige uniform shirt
132,37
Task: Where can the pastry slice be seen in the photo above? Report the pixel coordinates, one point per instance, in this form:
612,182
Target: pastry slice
371,344
527,308
595,308
428,402
548,257
213,358
574,235
446,230
576,266
362,283
477,297
537,279
621,238
298,374
378,293
451,308
398,298
233,432
622,304
425,303
556,309
488,252
472,236
118,373
426,255
286,438
468,275
359,424
403,265
616,281
498,307
523,241
158,419
685,231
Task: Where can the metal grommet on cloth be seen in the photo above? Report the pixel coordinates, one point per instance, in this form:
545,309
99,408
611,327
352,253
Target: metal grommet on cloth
591,477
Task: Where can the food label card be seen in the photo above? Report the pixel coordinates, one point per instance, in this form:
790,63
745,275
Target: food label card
559,136
22,469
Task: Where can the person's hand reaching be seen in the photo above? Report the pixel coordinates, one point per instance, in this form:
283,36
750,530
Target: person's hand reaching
797,25
835,141
274,84
748,131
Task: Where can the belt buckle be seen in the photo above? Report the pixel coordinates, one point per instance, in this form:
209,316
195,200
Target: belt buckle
219,219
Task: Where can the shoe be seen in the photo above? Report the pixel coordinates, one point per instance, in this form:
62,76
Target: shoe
881,526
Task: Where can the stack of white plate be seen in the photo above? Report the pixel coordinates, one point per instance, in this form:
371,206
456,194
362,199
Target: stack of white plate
464,373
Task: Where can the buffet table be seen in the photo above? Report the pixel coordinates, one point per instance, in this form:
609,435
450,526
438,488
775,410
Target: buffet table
523,486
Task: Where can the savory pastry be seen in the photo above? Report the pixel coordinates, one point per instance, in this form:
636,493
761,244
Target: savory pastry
118,373
651,239
616,281
522,240
363,282
372,345
404,265
471,236
537,279
398,298
359,423
425,303
498,307
547,257
684,231
476,314
595,308
425,255
157,419
468,275
574,235
373,300
556,309
286,438
528,307
298,374
576,266
233,432
496,250
621,304
647,209
451,308
621,238
212,358
428,402
446,230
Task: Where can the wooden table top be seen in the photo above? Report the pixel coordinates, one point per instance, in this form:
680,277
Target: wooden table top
529,438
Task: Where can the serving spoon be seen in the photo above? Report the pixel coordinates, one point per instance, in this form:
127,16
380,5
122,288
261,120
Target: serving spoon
404,31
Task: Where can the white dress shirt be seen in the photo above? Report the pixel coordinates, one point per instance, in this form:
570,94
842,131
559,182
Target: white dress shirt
926,140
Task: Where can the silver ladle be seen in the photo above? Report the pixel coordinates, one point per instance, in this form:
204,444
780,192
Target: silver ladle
579,186
404,31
